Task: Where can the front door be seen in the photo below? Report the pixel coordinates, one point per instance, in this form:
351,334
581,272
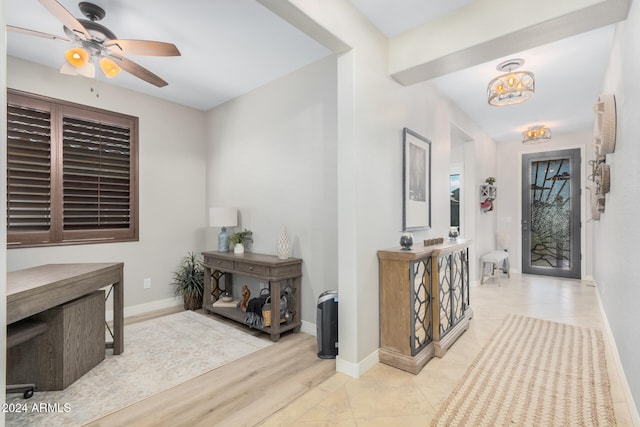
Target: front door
551,213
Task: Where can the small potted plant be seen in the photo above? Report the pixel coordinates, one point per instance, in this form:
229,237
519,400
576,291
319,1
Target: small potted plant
491,180
239,239
188,281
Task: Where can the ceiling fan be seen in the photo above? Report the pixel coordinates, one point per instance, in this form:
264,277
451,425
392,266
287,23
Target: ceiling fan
93,43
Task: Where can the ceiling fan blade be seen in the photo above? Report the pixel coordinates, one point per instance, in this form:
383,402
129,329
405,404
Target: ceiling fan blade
36,33
64,16
143,47
138,71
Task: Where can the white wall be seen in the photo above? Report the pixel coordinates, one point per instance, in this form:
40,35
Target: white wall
272,154
509,201
617,233
171,184
373,109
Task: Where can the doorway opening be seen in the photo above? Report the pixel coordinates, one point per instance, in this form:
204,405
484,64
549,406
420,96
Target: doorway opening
457,176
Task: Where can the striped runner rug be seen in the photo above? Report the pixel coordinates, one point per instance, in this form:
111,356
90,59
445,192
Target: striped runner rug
534,372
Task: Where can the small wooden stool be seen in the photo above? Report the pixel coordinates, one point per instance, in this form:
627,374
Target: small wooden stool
497,260
20,333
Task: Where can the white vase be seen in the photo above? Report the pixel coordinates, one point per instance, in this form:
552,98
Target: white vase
284,245
238,248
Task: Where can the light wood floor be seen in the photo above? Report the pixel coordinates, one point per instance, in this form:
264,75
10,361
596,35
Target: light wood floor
287,385
241,393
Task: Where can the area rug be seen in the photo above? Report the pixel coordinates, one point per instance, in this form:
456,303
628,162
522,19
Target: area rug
158,354
534,372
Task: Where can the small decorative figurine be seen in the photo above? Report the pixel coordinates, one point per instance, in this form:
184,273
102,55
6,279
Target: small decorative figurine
246,294
406,241
453,233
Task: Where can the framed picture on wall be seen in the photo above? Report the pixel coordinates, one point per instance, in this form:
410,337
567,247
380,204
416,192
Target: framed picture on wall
416,181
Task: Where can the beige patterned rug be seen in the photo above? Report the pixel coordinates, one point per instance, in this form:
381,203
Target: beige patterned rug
534,373
158,354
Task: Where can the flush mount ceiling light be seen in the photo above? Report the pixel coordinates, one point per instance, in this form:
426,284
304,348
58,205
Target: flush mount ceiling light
513,87
536,134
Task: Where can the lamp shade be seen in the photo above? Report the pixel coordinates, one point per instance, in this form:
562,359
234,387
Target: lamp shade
109,68
223,217
77,56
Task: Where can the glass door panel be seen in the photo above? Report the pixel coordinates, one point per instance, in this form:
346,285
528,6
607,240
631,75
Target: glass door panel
551,213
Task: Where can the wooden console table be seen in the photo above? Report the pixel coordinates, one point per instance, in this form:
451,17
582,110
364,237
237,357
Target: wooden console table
34,290
277,272
424,302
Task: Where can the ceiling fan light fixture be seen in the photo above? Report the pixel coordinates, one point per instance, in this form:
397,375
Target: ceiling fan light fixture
512,87
77,56
536,134
109,67
91,41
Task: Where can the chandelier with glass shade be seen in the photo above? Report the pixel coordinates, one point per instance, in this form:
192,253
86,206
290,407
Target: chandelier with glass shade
513,87
536,134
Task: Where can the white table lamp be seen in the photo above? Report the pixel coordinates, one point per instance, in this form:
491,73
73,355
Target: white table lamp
223,217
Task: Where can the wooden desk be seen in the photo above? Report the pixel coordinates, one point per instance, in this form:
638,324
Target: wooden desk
264,267
37,289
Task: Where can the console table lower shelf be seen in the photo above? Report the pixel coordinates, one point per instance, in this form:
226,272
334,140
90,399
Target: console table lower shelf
282,276
238,316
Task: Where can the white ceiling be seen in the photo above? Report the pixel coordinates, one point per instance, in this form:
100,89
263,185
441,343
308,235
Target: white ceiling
230,47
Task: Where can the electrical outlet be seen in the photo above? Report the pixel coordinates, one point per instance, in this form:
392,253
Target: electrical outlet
147,283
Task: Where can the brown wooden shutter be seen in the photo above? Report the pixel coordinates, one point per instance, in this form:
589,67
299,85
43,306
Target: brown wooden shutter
28,169
72,173
96,175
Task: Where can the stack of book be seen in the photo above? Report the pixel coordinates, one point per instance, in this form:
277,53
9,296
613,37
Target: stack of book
230,304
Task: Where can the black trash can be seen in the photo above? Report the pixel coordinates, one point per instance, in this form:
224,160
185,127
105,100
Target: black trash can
327,325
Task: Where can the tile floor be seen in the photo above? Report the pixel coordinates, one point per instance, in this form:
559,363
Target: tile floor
386,396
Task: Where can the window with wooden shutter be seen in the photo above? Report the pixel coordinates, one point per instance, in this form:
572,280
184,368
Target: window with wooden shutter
71,173
29,171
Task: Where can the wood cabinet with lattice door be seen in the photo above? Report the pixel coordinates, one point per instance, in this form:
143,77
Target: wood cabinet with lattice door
424,302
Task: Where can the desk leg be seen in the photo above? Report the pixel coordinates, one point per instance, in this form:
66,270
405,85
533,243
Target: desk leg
118,316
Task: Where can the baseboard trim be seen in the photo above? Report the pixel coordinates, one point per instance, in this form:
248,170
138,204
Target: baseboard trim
308,328
147,307
633,410
355,370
